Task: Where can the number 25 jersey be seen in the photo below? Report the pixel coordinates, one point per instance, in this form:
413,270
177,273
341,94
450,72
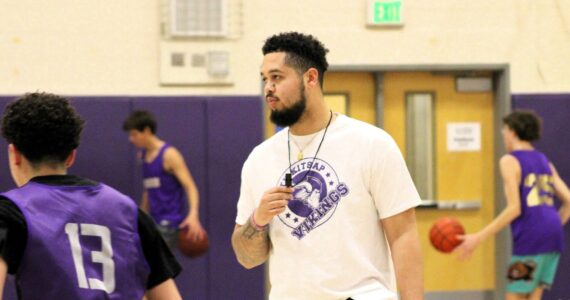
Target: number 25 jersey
538,229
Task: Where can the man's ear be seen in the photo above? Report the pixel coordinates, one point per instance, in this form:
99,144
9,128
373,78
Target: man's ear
14,155
312,77
71,159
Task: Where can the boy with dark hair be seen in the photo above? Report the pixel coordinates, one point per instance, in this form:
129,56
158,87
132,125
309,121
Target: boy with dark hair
139,120
67,237
166,179
530,183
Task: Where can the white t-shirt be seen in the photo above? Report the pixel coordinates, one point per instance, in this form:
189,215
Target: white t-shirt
329,243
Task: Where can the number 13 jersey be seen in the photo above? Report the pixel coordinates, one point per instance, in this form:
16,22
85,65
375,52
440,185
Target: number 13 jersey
82,243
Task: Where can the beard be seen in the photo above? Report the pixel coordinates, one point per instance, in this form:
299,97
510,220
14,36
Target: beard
290,115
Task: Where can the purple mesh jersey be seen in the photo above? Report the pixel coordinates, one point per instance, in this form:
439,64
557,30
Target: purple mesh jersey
538,229
166,195
83,243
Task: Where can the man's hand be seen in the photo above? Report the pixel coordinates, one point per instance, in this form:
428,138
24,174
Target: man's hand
273,202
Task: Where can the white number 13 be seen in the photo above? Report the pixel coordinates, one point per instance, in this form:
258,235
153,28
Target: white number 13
104,257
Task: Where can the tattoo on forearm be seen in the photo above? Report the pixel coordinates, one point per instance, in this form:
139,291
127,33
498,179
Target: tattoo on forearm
250,245
249,231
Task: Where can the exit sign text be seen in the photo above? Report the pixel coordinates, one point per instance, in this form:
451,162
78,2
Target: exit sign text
385,12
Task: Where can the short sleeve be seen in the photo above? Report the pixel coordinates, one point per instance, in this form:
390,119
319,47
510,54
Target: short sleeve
246,202
13,234
391,185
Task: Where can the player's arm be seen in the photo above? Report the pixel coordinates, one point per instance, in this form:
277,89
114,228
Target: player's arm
144,202
3,264
3,275
402,235
164,291
250,241
175,164
511,173
563,193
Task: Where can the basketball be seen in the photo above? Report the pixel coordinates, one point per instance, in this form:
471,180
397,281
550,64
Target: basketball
443,232
192,248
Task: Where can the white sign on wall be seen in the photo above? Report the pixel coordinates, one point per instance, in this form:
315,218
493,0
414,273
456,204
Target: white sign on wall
464,136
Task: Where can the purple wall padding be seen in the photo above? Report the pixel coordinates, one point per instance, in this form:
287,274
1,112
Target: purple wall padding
234,128
555,143
104,153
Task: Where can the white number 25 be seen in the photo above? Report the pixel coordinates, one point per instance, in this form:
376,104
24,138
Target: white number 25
104,257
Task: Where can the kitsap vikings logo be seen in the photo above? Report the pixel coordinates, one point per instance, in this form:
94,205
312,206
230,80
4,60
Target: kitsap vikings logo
315,198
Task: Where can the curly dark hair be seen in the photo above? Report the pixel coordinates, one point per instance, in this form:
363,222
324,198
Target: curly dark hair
44,127
303,51
525,124
139,120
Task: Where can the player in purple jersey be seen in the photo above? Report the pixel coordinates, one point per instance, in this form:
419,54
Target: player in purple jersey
166,179
67,237
530,183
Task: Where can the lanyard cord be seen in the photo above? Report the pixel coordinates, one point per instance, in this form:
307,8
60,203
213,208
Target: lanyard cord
288,179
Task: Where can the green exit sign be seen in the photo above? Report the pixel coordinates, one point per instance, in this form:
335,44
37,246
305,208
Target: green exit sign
385,12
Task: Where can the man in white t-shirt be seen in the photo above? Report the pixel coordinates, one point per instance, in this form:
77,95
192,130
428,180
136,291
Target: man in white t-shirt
328,200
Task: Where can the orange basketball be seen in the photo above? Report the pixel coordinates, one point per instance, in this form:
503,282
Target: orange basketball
190,247
443,234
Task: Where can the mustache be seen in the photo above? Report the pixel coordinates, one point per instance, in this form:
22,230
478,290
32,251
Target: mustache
270,94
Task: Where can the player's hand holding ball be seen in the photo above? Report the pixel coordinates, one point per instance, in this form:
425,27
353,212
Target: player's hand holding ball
469,243
445,234
192,246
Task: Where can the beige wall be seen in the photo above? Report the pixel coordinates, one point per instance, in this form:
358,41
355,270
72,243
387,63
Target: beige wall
112,47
